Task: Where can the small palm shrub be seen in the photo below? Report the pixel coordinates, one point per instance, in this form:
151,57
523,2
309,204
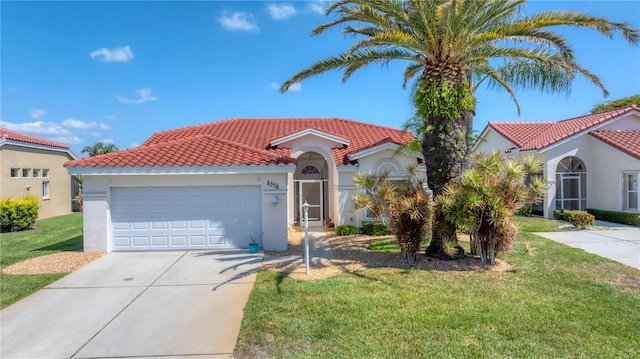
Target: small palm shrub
487,197
346,230
406,207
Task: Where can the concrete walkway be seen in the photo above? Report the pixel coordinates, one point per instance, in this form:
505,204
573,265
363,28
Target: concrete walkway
609,240
136,304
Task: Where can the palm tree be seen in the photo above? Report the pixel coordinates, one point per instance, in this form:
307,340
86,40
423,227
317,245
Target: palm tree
99,148
451,47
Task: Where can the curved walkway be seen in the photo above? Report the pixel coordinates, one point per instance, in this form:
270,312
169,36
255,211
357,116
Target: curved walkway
609,240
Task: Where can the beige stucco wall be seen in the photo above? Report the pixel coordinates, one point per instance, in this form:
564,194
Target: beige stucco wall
97,191
59,201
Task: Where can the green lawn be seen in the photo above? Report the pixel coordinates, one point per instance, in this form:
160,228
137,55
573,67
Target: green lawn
556,302
50,235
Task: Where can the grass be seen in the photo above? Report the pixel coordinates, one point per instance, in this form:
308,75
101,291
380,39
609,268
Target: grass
560,303
63,233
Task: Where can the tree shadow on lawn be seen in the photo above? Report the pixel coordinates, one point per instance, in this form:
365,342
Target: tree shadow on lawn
69,245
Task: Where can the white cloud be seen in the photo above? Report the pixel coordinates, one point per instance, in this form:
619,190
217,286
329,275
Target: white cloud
78,124
296,87
144,95
107,140
240,21
38,128
69,140
134,145
38,113
318,6
104,127
281,11
111,117
118,54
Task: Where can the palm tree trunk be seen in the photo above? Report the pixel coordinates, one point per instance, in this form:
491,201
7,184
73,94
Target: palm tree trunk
445,150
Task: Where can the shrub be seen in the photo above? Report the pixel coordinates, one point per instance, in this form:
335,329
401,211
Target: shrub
632,219
18,214
557,214
375,229
581,219
346,230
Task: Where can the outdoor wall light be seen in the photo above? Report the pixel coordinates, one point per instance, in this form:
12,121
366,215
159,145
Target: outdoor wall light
275,201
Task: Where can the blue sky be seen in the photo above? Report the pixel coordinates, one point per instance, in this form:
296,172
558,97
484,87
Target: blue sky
82,71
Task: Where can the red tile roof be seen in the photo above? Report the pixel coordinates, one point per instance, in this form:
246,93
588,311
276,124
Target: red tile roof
10,135
538,135
627,141
241,142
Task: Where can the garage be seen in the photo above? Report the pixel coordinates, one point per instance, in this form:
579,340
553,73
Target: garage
162,218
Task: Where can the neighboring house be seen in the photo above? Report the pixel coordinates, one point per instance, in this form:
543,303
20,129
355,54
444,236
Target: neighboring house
32,165
214,185
591,161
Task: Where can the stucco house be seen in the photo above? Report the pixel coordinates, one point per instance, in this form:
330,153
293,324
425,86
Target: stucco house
215,185
590,161
35,165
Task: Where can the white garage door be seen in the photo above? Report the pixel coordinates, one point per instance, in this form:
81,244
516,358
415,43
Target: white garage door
184,217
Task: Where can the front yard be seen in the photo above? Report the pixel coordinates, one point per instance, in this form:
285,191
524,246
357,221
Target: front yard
554,302
51,235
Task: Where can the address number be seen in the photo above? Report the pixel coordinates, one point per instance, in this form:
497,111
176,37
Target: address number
273,185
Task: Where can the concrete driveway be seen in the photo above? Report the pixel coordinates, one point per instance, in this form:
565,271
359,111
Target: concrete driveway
613,241
160,304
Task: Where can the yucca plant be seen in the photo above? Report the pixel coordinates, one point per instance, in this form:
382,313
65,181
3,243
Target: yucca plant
487,197
406,208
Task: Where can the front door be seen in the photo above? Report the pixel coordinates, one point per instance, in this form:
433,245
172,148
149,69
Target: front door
311,191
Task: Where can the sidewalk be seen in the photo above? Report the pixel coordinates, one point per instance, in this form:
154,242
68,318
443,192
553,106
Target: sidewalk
614,241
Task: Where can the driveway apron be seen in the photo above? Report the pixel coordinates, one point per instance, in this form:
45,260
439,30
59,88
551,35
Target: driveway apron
136,304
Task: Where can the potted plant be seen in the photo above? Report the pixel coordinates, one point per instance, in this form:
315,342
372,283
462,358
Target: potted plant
253,245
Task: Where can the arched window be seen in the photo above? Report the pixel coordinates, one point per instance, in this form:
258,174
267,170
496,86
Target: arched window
310,170
571,181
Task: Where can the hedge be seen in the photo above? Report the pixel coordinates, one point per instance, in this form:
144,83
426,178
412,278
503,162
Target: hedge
346,230
632,219
18,214
375,229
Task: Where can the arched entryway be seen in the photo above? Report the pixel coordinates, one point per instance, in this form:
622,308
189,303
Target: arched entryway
571,180
311,184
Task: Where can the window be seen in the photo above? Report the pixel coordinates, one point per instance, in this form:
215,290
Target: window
630,200
45,173
310,170
15,173
36,172
45,189
26,172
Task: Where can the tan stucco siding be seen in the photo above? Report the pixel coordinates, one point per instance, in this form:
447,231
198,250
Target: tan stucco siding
59,201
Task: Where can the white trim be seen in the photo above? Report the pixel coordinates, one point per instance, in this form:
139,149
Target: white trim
347,168
310,131
39,147
188,170
379,148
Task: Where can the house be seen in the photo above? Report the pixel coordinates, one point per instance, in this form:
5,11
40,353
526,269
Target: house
216,185
34,165
591,161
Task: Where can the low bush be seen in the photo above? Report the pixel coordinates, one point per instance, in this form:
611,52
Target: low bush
578,219
581,219
18,214
346,230
375,229
632,219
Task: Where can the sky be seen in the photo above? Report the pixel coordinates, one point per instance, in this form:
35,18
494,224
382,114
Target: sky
80,72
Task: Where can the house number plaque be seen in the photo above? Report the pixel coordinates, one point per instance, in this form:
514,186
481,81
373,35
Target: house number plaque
273,185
